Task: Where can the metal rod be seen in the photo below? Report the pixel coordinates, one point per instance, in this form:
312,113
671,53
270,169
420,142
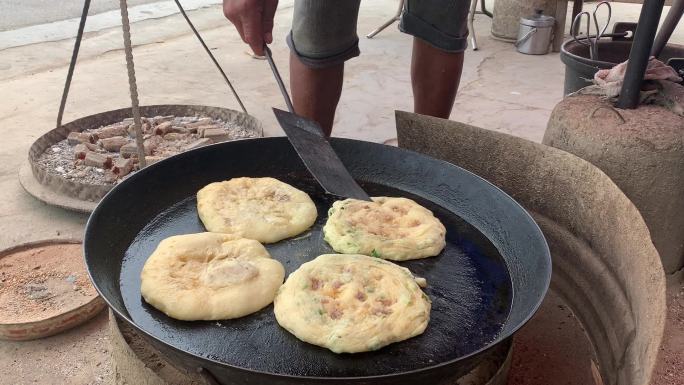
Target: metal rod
130,66
389,22
471,26
279,80
669,25
211,56
639,54
72,64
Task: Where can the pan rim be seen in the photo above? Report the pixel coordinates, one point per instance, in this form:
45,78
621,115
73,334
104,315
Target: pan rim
514,329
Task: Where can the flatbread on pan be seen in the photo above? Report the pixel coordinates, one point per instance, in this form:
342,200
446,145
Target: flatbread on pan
264,209
397,229
210,276
352,303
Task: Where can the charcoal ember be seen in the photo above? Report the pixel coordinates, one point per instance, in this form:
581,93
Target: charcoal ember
92,146
174,136
129,150
113,144
160,119
111,131
163,128
75,138
80,151
145,127
123,166
199,123
182,130
197,144
202,129
216,135
94,159
152,143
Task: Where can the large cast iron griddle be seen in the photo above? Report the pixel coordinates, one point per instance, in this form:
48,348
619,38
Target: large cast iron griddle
487,282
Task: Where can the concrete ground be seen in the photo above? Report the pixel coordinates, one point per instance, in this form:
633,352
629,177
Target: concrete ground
500,90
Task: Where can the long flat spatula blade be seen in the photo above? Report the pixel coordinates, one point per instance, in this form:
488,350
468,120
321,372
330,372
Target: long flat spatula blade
319,157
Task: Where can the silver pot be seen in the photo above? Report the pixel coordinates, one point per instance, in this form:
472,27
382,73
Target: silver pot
535,34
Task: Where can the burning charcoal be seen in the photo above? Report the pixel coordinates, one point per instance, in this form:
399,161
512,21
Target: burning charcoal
160,119
216,135
129,150
197,144
98,160
182,130
173,136
113,144
163,128
75,138
80,151
92,147
123,166
199,123
202,129
111,131
151,144
145,127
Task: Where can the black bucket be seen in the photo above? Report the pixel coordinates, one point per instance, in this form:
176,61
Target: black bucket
580,70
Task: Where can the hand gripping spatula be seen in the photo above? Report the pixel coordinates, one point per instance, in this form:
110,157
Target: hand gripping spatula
307,138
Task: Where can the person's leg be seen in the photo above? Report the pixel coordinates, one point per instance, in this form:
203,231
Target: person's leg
435,75
440,35
323,37
316,91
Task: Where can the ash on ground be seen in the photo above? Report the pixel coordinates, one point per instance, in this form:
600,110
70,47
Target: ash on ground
107,154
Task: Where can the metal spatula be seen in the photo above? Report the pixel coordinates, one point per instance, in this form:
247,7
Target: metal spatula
307,138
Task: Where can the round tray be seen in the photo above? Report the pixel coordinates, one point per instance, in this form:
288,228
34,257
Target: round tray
73,195
68,319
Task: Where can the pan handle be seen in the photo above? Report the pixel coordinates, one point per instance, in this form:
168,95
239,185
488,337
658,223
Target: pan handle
207,377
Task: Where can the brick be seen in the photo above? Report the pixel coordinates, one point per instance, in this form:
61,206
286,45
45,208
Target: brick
216,135
114,144
197,144
98,160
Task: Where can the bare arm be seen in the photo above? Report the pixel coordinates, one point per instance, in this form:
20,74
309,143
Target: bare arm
253,19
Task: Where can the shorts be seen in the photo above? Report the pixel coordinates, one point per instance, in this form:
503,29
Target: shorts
324,31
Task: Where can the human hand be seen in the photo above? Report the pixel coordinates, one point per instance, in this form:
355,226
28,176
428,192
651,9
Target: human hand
253,19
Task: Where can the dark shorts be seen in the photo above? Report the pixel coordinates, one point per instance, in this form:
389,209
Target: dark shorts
324,31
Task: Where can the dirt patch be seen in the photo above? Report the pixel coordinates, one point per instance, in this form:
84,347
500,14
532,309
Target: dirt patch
43,282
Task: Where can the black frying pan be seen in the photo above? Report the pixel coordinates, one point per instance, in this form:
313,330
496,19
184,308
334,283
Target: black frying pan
487,283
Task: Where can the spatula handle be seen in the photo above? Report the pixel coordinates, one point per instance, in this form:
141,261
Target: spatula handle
279,80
